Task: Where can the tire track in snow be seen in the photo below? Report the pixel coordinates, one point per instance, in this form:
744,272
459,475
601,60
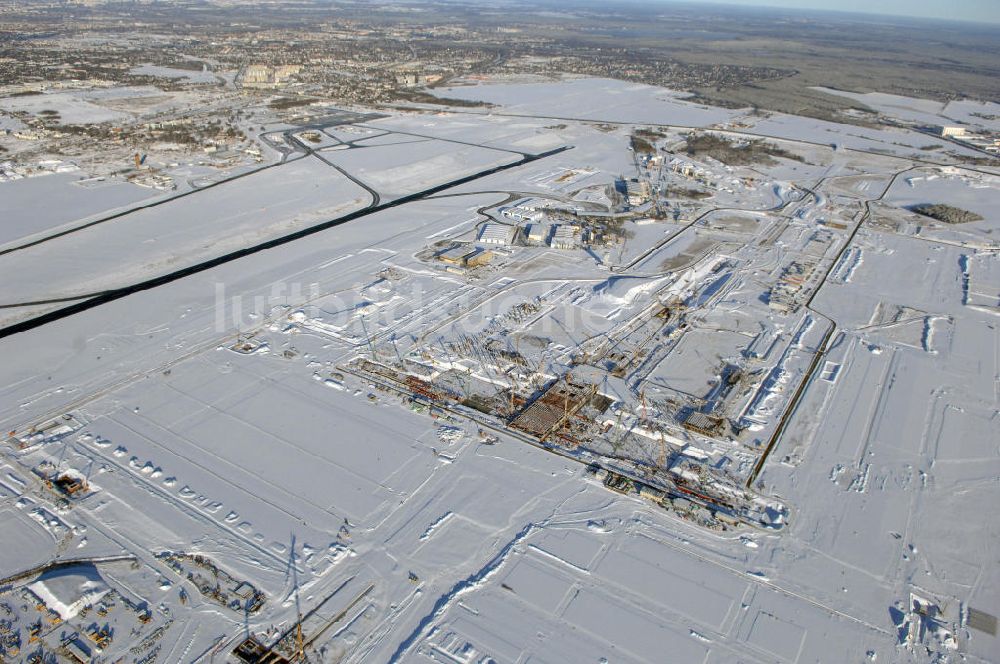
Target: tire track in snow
463,587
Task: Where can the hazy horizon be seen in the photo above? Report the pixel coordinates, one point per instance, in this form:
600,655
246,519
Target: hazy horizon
958,10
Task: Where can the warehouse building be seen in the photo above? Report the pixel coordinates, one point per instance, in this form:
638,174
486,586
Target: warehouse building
565,237
466,256
538,233
497,234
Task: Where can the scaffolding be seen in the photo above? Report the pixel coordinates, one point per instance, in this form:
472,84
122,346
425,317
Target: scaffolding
549,412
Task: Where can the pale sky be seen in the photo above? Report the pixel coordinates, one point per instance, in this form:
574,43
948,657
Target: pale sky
962,10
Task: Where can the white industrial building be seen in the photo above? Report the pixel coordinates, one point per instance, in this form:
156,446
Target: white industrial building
497,234
637,192
538,233
565,237
68,591
527,209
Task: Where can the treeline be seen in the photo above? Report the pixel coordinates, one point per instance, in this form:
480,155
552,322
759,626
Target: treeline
743,153
945,213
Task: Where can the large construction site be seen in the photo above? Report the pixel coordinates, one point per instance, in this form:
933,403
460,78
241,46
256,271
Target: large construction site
639,369
577,390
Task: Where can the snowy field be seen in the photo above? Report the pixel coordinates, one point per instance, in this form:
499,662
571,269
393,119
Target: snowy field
206,223
888,141
617,101
928,111
910,434
499,132
966,190
32,206
117,104
396,170
24,537
189,76
73,108
594,99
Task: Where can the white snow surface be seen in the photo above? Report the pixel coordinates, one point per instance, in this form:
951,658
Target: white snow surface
200,410
593,99
928,111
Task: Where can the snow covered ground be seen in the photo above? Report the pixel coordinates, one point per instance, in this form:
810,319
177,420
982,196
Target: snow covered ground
72,107
594,99
189,75
400,169
32,206
233,423
185,231
928,111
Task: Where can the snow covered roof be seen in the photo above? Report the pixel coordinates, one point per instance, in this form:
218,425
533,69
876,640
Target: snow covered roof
68,590
496,234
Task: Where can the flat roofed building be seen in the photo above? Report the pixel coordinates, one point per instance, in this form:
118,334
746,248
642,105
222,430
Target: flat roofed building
466,255
538,232
454,255
497,234
637,192
478,256
565,237
527,209
77,651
